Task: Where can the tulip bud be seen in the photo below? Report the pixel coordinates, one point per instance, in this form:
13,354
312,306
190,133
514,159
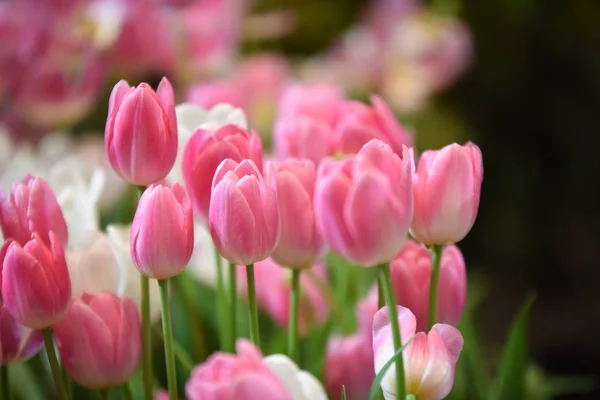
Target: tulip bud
141,132
300,244
36,287
302,136
100,340
319,102
345,363
32,208
162,233
244,217
447,186
17,342
363,204
429,360
203,154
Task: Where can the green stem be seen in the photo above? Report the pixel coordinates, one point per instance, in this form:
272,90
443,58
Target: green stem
411,397
128,390
68,382
232,304
436,257
380,296
168,338
146,338
224,332
254,333
293,322
386,284
103,394
49,343
4,385
184,360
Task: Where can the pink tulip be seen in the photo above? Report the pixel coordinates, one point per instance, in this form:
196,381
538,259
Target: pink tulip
162,233
345,365
208,95
100,340
203,154
273,288
319,102
36,288
244,216
429,360
300,244
17,342
359,123
141,132
363,204
241,377
447,187
302,136
32,208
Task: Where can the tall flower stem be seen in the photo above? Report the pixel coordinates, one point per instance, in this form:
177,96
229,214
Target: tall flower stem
380,295
436,258
168,338
56,374
254,333
386,284
4,386
128,391
222,301
293,322
232,305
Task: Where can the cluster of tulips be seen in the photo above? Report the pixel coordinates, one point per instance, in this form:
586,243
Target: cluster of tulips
344,179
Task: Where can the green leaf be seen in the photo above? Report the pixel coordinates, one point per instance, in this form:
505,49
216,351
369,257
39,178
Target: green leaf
374,392
473,373
343,392
511,379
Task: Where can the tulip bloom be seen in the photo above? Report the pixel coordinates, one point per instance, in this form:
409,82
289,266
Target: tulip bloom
162,233
141,132
345,363
16,341
302,136
300,244
203,154
319,102
100,340
244,217
36,288
364,204
429,360
32,208
447,186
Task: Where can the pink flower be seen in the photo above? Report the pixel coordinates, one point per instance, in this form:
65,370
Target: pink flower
141,132
32,208
363,204
241,377
16,341
208,95
359,123
36,288
319,102
273,288
300,244
302,136
429,360
162,233
244,217
203,154
447,187
100,340
345,365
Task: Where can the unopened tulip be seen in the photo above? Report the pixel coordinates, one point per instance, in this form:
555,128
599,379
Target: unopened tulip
363,204
429,360
300,244
244,216
16,341
31,208
319,102
447,186
345,365
162,233
36,288
100,340
302,136
141,132
300,384
359,123
205,151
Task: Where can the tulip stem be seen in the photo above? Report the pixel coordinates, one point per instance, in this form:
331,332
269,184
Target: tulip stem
380,296
224,331
103,394
436,257
128,390
168,338
293,323
4,385
232,305
56,374
146,338
386,284
254,333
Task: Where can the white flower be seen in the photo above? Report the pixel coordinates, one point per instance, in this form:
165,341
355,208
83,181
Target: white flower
203,265
301,384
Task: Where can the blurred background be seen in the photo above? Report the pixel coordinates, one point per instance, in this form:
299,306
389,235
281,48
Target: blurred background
521,78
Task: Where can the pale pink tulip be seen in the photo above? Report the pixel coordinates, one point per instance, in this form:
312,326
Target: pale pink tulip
300,244
209,94
141,132
205,151
447,186
100,340
319,102
162,233
302,136
364,204
17,343
345,365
